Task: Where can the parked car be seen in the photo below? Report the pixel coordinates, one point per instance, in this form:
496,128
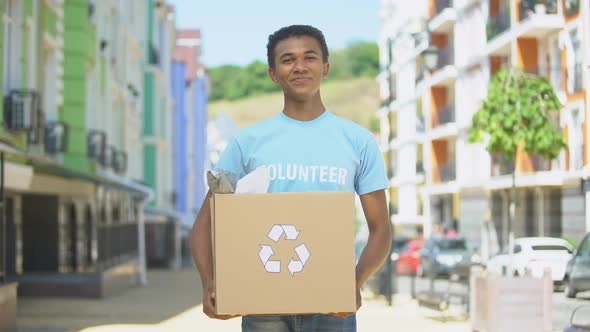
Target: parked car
580,319
444,256
577,272
535,254
409,258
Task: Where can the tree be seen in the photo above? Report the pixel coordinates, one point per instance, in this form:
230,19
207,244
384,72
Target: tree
518,112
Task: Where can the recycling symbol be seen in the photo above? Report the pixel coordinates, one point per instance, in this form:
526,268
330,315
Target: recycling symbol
266,252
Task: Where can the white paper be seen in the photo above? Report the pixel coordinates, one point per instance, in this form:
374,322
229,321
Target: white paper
256,182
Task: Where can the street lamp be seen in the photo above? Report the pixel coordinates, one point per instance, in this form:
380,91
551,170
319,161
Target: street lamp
430,56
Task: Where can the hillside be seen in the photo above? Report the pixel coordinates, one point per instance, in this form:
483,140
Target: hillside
355,99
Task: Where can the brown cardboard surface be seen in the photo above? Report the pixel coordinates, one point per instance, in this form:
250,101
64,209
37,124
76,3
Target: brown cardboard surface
242,226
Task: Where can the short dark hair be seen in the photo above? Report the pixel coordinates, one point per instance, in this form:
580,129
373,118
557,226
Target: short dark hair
294,31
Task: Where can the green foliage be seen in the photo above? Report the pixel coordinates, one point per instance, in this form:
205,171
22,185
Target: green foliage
518,108
231,82
374,124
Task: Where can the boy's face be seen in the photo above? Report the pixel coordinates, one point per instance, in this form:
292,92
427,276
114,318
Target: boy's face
299,68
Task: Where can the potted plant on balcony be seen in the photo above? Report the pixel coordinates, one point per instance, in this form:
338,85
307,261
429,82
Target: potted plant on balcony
517,114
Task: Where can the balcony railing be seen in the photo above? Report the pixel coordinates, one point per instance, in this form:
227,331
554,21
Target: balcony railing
498,23
539,163
501,167
116,242
442,5
447,172
445,115
445,57
572,7
528,8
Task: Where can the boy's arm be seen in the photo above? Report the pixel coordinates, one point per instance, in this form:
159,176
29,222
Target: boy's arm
380,236
201,250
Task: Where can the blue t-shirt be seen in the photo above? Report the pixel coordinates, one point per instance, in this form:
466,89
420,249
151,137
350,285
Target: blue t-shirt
328,153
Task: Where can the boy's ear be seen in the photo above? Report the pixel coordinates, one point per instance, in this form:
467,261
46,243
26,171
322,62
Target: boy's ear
271,73
326,69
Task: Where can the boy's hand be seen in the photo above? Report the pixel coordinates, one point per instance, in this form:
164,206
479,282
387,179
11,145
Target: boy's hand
359,303
209,304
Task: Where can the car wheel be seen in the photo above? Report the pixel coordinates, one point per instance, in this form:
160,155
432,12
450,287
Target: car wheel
568,289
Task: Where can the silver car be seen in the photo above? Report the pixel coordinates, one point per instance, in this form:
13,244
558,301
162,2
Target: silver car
577,272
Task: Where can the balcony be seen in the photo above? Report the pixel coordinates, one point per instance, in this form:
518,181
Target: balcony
498,23
444,17
501,167
447,172
445,57
540,164
538,18
572,8
441,5
444,116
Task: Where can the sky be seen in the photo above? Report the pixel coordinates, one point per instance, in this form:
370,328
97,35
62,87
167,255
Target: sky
236,31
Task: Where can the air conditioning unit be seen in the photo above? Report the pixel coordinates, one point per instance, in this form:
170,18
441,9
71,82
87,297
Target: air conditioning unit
120,161
106,159
56,136
97,143
21,110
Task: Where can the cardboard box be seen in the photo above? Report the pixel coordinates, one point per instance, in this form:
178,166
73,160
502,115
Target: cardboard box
284,253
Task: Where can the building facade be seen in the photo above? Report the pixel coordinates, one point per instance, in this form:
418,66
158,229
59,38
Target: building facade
86,146
438,177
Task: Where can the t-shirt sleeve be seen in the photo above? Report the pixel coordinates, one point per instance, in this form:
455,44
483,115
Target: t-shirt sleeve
232,160
371,174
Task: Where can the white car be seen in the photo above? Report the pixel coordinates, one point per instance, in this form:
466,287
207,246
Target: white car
535,254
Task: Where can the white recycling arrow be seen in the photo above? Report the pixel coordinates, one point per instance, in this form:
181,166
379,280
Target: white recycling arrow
291,232
265,253
302,252
275,233
273,266
270,266
295,266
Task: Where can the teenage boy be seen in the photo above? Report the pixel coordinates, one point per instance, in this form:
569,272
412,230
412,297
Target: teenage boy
305,148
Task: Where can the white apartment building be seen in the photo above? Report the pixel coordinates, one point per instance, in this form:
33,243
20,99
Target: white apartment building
437,177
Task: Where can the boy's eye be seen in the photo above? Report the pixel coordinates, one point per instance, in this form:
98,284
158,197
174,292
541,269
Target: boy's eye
287,60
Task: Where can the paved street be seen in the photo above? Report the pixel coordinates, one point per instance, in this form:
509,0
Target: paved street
171,303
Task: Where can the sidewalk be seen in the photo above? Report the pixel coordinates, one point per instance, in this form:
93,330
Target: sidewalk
171,302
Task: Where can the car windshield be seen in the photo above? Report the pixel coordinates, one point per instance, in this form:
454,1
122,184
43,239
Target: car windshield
452,245
547,247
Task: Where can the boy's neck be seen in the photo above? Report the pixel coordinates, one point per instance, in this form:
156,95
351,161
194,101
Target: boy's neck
304,110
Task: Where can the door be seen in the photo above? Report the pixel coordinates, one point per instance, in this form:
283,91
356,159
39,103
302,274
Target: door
581,267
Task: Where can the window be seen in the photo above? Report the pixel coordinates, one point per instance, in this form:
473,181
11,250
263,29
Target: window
584,249
576,145
555,71
550,248
574,62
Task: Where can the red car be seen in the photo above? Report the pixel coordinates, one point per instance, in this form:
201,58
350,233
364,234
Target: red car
409,258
